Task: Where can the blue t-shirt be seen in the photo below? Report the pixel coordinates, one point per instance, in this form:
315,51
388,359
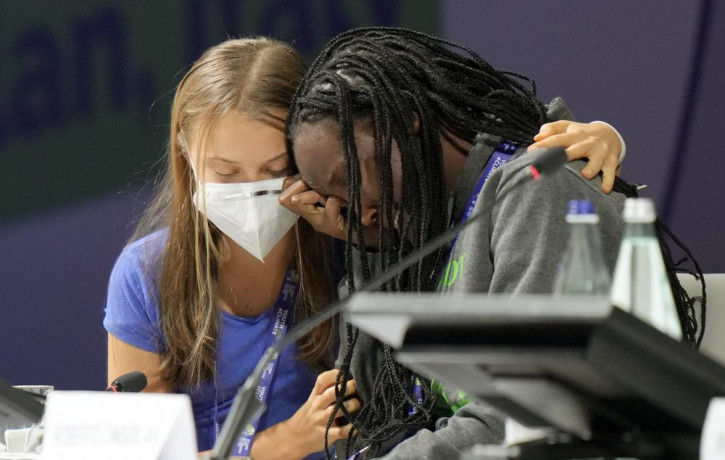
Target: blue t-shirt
132,315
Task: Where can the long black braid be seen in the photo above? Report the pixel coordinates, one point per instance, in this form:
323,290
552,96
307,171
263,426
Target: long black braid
390,78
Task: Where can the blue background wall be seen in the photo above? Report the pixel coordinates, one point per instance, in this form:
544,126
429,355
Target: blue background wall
86,93
652,68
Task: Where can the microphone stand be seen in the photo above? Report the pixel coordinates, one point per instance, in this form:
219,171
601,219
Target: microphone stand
246,406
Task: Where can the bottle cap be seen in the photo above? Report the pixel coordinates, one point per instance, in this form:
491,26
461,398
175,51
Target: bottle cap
581,211
639,210
581,207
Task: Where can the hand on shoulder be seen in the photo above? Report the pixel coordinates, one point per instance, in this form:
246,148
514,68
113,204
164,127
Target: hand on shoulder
598,142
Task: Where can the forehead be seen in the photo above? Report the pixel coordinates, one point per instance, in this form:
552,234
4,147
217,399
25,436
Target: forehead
235,136
321,160
324,138
318,153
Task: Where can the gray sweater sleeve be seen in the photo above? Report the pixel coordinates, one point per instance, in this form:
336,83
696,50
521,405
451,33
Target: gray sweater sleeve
471,424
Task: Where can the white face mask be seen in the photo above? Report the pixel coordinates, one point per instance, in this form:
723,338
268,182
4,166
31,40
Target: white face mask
249,213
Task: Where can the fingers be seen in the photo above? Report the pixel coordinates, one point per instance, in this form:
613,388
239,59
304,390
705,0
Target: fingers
288,181
314,416
324,381
609,172
332,210
303,201
322,212
352,405
340,432
293,186
291,190
607,183
549,129
566,140
308,198
592,168
336,225
328,397
587,148
594,141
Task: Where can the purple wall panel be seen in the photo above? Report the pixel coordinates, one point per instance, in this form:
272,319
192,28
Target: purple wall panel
54,276
631,64
620,61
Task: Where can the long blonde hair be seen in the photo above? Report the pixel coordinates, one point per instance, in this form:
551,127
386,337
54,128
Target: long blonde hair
256,78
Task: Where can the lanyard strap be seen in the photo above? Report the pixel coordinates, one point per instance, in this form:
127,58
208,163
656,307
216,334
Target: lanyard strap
283,308
499,157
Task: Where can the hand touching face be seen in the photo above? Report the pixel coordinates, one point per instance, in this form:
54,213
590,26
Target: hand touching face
323,213
320,196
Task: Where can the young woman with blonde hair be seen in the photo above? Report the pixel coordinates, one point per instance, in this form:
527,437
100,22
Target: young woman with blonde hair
217,269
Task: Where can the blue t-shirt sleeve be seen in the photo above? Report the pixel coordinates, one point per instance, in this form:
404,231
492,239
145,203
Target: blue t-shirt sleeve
132,312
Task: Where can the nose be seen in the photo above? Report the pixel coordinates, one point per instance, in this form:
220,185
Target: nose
370,216
253,176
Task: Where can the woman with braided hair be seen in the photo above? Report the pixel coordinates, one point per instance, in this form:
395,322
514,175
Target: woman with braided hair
398,135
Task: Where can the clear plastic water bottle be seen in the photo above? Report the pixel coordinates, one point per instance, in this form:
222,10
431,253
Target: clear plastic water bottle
582,271
640,285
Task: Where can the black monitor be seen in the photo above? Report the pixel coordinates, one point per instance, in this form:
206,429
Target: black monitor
612,384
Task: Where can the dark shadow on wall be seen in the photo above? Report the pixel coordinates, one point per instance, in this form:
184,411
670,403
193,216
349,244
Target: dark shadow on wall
696,210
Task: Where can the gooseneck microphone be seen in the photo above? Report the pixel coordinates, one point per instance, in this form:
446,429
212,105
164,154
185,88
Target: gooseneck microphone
133,382
246,406
549,160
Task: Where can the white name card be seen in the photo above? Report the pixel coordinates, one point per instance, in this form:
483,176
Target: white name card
142,426
712,442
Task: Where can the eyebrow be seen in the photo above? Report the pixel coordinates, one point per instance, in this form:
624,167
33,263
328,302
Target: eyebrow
281,155
225,160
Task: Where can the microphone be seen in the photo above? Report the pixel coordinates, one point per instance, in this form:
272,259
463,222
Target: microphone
246,406
133,382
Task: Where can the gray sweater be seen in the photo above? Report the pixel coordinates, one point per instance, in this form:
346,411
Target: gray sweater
514,248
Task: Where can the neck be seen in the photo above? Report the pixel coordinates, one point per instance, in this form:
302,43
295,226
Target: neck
247,286
455,152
